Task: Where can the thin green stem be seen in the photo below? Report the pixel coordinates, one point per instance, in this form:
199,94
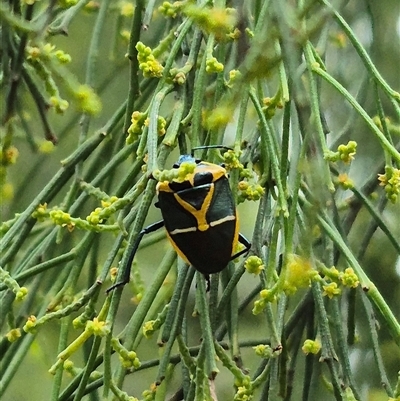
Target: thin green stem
54,185
210,357
364,115
273,157
375,344
368,286
362,53
133,93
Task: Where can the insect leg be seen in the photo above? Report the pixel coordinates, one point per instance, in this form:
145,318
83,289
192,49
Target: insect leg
211,147
243,240
127,272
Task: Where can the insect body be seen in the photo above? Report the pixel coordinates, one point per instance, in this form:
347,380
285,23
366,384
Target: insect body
200,218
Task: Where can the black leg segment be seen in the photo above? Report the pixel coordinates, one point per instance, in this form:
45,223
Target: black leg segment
243,240
127,269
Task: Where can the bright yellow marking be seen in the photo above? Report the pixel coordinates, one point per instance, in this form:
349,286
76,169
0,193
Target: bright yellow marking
199,215
163,186
235,236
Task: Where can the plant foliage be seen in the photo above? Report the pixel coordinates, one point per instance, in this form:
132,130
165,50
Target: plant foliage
95,98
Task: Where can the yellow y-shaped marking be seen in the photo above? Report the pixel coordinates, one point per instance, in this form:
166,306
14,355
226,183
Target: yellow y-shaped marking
200,215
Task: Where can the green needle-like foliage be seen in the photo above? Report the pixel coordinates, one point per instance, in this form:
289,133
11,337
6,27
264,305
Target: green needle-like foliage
98,100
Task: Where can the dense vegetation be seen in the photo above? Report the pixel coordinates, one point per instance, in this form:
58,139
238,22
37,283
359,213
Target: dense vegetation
98,99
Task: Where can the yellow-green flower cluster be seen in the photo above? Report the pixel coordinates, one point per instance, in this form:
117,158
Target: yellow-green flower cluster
138,121
171,10
80,321
344,181
60,105
218,21
249,191
393,128
234,77
21,293
92,222
91,6
271,104
179,78
178,75
113,274
41,213
70,368
391,182
266,296
231,160
46,54
46,147
331,289
5,278
126,9
150,395
62,218
244,390
176,174
299,273
348,278
345,153
235,34
9,155
97,327
311,347
108,202
125,35
218,117
102,213
213,65
128,358
67,3
30,325
263,350
62,57
161,125
332,272
339,39
151,326
254,265
88,101
33,53
6,191
150,66
13,335
94,217
249,33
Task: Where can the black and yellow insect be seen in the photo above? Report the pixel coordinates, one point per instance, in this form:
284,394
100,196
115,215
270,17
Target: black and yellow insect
200,218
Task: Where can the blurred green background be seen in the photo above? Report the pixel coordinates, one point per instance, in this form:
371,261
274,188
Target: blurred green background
377,25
